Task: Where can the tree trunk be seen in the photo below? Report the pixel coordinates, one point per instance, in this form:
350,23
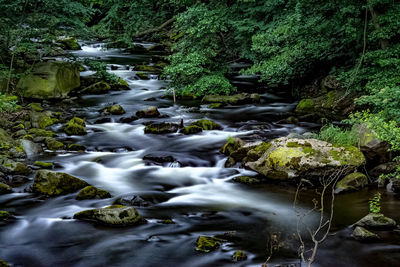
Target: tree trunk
383,42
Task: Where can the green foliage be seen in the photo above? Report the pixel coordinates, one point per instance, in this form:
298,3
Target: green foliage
101,71
8,103
375,203
212,84
337,136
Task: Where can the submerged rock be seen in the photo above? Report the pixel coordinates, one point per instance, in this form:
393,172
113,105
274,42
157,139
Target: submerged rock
243,98
97,88
128,119
239,256
351,182
161,128
76,126
116,215
207,243
50,80
150,112
288,158
114,110
376,221
362,234
91,192
76,147
56,183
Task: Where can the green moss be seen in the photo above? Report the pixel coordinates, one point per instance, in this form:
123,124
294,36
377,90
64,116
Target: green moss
142,75
330,99
207,125
282,156
43,165
167,221
19,127
45,121
216,105
5,189
35,107
56,183
263,147
4,215
348,155
115,207
76,147
28,137
306,105
239,256
41,132
91,192
70,43
53,144
4,264
161,128
97,88
352,182
293,144
245,180
114,110
207,243
76,126
191,129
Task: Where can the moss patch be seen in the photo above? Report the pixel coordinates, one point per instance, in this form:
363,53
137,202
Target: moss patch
56,183
76,126
207,243
91,192
43,165
193,129
207,125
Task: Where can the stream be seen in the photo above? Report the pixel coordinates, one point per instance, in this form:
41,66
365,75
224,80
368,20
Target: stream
194,190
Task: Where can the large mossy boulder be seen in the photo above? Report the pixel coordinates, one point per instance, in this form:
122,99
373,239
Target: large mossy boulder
161,128
376,221
76,126
288,158
116,215
49,80
13,167
91,192
207,125
351,182
97,88
70,43
243,98
56,183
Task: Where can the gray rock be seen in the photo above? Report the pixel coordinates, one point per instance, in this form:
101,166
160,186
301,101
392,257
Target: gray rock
362,234
376,221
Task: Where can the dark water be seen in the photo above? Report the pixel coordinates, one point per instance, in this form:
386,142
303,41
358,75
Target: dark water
195,191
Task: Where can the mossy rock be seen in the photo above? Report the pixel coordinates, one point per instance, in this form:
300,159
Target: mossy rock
114,110
167,221
97,88
193,129
146,68
150,112
362,234
116,215
288,158
76,126
239,256
216,105
35,107
45,121
14,167
351,182
246,180
161,128
53,144
41,132
120,85
70,43
6,141
43,165
207,125
5,189
4,264
50,80
56,183
91,192
76,147
142,75
376,221
4,216
207,244
243,98
306,106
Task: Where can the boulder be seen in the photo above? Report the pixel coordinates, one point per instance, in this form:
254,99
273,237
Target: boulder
150,112
394,185
5,189
53,144
76,126
56,183
91,192
50,80
362,234
116,215
114,110
288,158
376,221
120,85
13,167
191,129
243,98
43,165
70,43
207,125
97,88
161,128
351,182
207,243
239,256
372,147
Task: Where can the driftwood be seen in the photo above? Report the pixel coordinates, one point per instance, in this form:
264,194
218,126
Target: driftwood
155,29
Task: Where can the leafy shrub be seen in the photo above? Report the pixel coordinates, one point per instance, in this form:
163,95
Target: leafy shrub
337,136
213,84
101,71
8,103
375,203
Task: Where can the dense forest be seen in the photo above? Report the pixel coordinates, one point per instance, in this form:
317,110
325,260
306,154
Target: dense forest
338,61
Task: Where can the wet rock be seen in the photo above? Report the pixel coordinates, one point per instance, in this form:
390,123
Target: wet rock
102,120
142,75
56,183
43,165
76,147
41,132
76,126
246,180
120,85
192,129
114,110
394,185
159,158
5,189
216,105
69,43
132,201
286,158
146,68
4,216
13,167
128,119
4,264
243,98
116,215
35,107
161,128
362,234
97,88
53,144
207,243
91,192
351,182
239,256
372,147
207,125
17,180
167,221
150,112
50,80
376,221
384,168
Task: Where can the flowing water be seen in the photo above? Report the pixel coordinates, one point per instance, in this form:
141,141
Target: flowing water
194,189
